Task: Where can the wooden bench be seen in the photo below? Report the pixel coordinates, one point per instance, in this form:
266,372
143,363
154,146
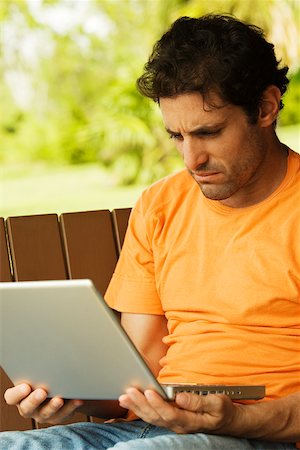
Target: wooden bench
52,247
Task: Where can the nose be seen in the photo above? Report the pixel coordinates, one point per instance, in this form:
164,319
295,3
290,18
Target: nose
194,154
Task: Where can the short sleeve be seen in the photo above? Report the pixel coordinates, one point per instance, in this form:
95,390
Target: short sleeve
133,286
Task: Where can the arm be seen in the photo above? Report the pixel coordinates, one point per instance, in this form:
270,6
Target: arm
277,420
146,331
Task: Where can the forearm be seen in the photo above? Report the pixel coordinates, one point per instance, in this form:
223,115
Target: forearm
277,420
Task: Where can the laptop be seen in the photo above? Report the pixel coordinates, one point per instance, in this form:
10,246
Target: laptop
62,336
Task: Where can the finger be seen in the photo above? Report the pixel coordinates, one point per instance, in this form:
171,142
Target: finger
210,412
32,402
137,402
166,410
48,409
133,399
212,403
176,419
191,402
57,410
14,395
68,409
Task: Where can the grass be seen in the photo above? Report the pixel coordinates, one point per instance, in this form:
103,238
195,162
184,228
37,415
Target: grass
41,189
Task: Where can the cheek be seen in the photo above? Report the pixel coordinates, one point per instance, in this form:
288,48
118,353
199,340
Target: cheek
245,164
239,152
226,155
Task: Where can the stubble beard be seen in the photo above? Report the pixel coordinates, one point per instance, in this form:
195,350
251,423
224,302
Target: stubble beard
241,177
217,192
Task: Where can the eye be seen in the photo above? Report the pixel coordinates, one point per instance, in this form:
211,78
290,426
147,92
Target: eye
176,136
211,133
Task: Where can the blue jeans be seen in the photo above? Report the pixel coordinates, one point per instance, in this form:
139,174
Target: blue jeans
124,436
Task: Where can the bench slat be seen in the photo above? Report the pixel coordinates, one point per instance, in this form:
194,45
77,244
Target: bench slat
120,219
36,248
90,246
5,273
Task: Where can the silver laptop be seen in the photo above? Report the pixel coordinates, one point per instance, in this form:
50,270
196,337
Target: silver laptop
61,335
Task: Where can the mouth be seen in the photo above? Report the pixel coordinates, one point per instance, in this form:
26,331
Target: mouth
206,177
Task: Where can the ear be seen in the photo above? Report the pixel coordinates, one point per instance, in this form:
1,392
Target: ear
269,106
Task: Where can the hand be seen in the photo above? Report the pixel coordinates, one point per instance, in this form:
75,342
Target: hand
33,404
189,413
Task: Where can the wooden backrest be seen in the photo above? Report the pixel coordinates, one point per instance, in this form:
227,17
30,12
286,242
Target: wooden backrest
36,248
45,247
5,273
90,246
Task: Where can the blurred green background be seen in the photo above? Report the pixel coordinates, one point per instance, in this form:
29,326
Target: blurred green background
75,134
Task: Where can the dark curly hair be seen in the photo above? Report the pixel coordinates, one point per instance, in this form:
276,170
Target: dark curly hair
213,52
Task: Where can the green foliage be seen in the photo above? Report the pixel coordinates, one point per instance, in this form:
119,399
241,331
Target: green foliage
291,112
81,104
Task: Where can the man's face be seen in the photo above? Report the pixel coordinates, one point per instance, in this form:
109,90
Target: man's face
222,151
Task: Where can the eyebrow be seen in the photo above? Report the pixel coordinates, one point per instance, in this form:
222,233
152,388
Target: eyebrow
201,129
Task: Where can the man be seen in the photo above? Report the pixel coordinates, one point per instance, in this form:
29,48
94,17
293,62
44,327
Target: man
209,277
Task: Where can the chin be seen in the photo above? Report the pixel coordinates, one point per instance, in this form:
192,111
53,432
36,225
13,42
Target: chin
216,194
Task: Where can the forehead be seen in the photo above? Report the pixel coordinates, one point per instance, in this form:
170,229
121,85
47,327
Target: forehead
187,111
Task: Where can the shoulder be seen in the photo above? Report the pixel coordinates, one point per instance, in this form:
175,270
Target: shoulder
294,170
294,158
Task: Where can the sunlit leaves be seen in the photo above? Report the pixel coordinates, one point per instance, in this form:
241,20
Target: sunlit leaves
69,69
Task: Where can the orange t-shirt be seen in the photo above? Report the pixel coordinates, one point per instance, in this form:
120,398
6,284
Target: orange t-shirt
227,280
